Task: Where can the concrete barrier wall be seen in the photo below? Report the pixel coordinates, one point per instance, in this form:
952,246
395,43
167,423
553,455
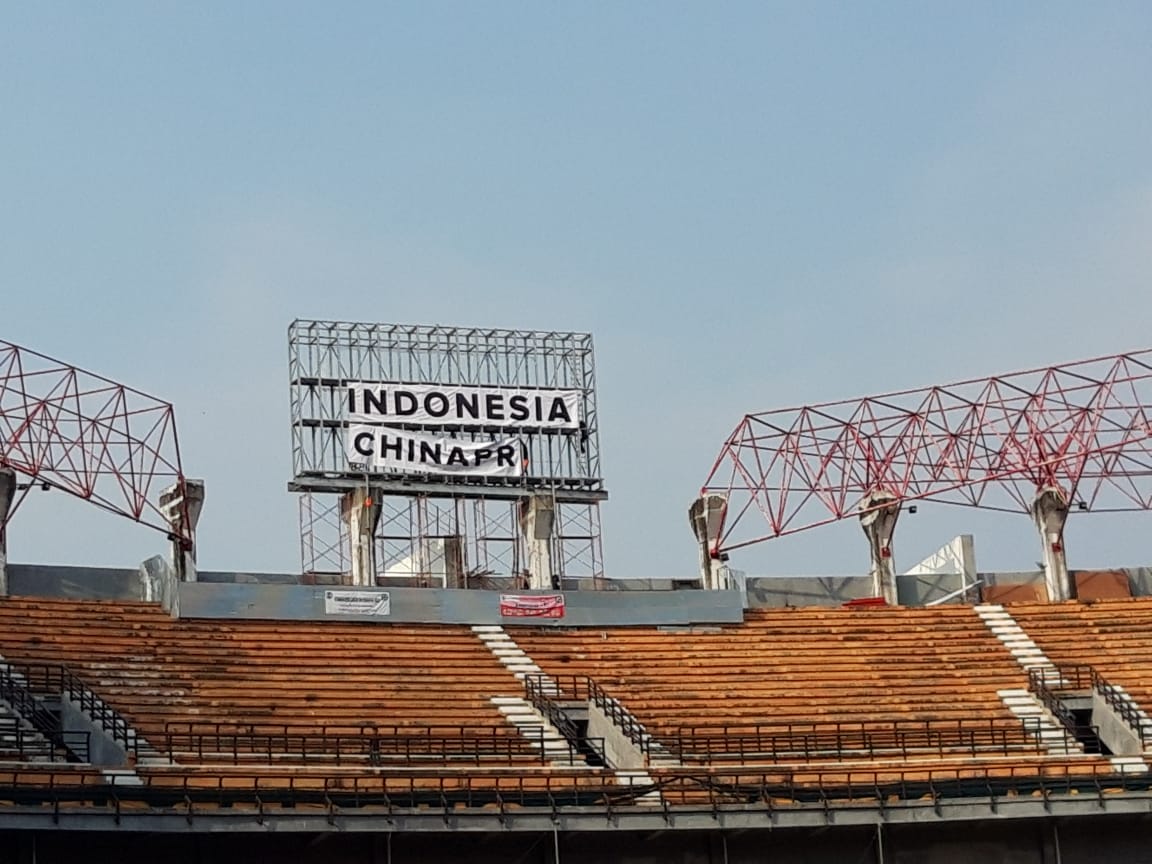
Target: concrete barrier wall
922,589
78,583
438,606
769,592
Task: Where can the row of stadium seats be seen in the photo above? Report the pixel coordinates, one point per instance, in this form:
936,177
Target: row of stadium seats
792,673
216,685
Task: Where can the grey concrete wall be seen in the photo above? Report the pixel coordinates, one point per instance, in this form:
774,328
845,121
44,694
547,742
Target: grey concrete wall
765,592
230,577
1114,729
923,589
437,606
619,749
103,749
80,583
1014,577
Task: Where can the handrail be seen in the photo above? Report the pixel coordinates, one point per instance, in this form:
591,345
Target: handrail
790,741
1124,705
619,715
779,743
779,789
272,748
583,687
1038,683
1043,682
542,692
47,725
234,727
535,687
60,679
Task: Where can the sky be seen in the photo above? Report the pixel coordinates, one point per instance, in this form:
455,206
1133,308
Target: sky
749,205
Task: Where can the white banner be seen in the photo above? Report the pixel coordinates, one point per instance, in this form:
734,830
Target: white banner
450,405
357,603
381,448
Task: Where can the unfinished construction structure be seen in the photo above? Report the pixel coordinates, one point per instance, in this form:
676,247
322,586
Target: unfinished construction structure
445,457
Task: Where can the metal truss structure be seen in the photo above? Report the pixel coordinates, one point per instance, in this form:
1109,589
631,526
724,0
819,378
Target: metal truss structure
477,517
64,428
1082,428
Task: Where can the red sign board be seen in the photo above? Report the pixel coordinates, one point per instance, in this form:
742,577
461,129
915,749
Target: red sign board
532,605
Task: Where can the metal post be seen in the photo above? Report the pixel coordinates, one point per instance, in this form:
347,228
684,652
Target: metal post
880,510
1050,512
361,513
7,494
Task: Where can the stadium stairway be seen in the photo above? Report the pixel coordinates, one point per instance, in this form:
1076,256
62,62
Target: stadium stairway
1025,703
19,739
123,775
521,711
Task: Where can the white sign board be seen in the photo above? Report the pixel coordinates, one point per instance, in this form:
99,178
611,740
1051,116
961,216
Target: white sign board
380,448
344,602
452,405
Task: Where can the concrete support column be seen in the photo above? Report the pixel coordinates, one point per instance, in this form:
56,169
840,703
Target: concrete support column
706,516
361,513
181,504
7,496
1050,512
881,510
537,521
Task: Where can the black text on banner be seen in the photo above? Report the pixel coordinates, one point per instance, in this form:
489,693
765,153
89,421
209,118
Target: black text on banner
447,405
381,448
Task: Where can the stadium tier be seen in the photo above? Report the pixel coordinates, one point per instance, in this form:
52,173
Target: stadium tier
792,714
790,687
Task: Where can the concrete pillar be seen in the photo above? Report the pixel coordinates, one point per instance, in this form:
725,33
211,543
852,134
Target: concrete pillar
181,504
7,496
1050,512
881,510
537,520
706,515
360,510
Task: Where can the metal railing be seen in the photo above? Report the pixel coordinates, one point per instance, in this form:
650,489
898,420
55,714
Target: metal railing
1049,682
582,687
30,745
681,789
790,742
57,679
1043,682
1124,705
271,748
793,742
544,693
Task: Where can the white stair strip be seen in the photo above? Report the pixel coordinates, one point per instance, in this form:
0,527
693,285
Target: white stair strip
517,661
1024,704
523,715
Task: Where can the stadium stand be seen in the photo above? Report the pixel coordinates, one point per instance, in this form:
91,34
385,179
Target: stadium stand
1101,646
262,691
802,684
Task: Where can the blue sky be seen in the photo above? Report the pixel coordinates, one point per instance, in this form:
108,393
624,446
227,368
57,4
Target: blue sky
750,206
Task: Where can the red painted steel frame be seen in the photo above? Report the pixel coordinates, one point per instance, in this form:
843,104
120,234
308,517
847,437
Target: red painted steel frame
1083,427
79,432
